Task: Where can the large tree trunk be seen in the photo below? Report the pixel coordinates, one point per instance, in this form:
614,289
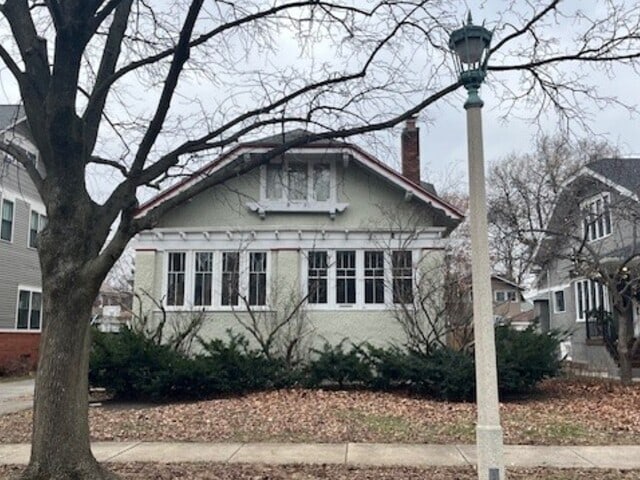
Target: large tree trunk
624,354
60,444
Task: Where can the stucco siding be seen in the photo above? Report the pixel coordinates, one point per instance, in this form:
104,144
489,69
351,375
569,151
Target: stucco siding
372,202
378,328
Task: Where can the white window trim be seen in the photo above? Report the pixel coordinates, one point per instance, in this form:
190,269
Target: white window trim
216,298
8,196
31,290
555,302
607,304
585,209
40,216
310,205
360,279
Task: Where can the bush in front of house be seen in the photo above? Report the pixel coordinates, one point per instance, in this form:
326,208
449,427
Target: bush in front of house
333,365
445,374
390,366
233,367
525,358
133,366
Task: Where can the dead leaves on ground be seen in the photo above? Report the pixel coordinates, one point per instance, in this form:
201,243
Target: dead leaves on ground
563,411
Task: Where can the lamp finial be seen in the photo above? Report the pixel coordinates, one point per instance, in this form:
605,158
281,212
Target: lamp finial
469,19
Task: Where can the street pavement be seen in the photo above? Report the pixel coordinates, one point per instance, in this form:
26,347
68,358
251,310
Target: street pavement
365,454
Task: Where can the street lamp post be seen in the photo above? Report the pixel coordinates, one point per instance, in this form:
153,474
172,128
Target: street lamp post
471,47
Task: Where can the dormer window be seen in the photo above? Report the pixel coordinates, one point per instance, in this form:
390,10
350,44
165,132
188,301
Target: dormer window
295,181
294,185
596,217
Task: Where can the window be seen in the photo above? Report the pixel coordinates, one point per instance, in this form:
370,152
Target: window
346,277
176,278
274,181
6,220
401,266
303,182
590,295
230,278
29,314
257,278
317,277
321,187
373,277
36,224
597,217
558,298
298,181
203,280
503,296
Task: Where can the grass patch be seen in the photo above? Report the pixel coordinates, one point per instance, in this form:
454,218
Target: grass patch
465,431
391,425
565,432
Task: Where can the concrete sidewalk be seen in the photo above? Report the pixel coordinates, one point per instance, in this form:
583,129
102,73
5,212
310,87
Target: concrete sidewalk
618,457
16,395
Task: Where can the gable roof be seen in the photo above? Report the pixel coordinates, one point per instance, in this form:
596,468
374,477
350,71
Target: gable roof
506,281
280,139
10,115
623,174
324,146
619,174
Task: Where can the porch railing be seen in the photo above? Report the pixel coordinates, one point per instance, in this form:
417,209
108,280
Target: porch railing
602,325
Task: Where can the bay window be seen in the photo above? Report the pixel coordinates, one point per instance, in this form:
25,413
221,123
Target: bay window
590,295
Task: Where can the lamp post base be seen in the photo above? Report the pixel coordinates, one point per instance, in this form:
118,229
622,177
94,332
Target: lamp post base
490,452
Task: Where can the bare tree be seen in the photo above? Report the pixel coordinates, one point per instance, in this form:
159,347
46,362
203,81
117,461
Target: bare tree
127,90
430,299
178,330
282,332
523,192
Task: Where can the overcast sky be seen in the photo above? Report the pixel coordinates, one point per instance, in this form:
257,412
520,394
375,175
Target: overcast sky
443,136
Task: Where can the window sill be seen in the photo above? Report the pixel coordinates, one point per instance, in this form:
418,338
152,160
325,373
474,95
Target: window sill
20,330
593,240
262,208
212,309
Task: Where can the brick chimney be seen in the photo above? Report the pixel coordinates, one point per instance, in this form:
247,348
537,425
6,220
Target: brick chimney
411,151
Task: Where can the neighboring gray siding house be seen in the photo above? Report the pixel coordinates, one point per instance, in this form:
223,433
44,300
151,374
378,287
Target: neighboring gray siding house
593,230
22,216
326,226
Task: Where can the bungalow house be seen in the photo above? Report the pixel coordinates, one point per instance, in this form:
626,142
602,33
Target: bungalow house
325,230
587,281
22,217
